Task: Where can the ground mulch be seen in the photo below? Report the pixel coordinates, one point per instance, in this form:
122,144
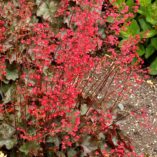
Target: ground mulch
142,131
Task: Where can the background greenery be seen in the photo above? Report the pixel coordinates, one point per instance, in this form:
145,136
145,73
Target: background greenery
144,23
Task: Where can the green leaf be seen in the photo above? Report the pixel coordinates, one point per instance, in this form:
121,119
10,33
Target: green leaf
135,59
124,34
110,19
153,67
143,24
132,30
150,33
151,13
149,51
151,20
134,27
141,50
117,2
122,42
141,11
145,3
130,3
29,146
154,42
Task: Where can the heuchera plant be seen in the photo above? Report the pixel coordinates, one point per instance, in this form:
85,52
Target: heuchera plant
60,88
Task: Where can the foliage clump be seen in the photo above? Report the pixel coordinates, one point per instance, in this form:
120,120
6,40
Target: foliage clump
62,76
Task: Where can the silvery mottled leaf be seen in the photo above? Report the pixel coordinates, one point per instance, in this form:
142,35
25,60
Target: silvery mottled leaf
71,153
84,109
5,81
47,10
54,140
102,33
12,72
9,143
12,58
88,146
121,106
38,2
1,117
115,141
12,75
6,131
101,136
61,154
29,146
7,96
45,70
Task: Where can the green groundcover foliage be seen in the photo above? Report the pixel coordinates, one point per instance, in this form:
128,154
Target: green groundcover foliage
143,23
